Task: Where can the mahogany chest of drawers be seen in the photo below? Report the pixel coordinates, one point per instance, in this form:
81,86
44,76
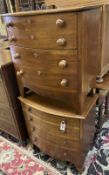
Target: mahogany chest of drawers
55,52
57,131
11,116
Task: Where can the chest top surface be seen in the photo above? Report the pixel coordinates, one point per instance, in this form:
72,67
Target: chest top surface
54,11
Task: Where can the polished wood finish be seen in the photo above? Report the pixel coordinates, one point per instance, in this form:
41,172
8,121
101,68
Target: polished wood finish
103,64
104,55
40,67
75,3
56,130
11,116
35,31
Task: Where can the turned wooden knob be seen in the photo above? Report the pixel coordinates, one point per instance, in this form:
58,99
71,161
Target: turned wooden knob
9,24
30,119
35,139
32,37
12,38
35,55
65,154
39,73
65,142
64,83
61,42
63,63
34,128
60,22
29,109
20,72
17,56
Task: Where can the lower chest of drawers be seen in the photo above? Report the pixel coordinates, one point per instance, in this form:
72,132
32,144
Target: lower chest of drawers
61,137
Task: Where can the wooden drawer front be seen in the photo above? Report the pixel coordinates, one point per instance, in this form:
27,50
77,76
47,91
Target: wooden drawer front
47,68
70,132
50,127
50,31
3,96
6,115
64,142
59,140
49,117
56,151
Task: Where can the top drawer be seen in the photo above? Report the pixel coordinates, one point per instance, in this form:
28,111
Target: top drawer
50,31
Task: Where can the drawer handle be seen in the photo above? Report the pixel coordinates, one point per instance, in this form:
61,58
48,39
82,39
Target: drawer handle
60,22
61,42
32,37
9,24
17,56
13,38
64,83
39,73
65,142
65,154
63,126
34,128
35,55
29,109
20,72
63,63
30,119
35,140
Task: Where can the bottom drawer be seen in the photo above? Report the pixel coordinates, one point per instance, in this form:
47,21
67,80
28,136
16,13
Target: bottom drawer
58,152
61,141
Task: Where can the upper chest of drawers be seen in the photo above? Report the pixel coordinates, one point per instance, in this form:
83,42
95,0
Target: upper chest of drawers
46,31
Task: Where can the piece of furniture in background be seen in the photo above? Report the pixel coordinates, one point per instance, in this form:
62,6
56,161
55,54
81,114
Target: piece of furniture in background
3,32
11,116
102,110
69,76
3,7
58,131
103,101
75,3
26,5
103,67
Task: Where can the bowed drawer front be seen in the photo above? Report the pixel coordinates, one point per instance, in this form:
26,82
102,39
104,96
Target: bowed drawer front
55,31
56,130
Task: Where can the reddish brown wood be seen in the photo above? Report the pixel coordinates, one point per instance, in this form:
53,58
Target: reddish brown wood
11,116
73,41
44,118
